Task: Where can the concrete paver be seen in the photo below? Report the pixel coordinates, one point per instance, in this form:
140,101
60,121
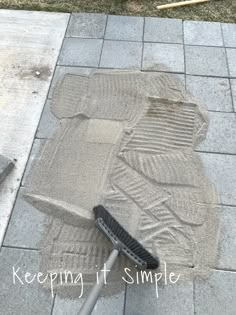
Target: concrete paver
233,87
163,30
231,55
128,28
229,34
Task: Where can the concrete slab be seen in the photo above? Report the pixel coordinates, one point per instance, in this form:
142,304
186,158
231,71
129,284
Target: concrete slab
231,55
221,134
163,30
227,240
216,295
173,299
128,28
203,33
229,34
29,48
163,57
214,93
87,25
105,306
121,54
208,61
80,52
220,168
233,88
61,71
6,167
21,298
27,225
48,123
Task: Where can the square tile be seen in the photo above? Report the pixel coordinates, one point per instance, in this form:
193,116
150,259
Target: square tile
231,55
121,54
163,57
209,61
233,88
227,240
216,295
128,28
27,225
229,33
18,298
87,25
220,169
172,299
202,33
80,52
163,30
111,305
212,92
221,134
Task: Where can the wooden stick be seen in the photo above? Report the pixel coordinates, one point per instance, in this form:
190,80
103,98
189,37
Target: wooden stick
179,4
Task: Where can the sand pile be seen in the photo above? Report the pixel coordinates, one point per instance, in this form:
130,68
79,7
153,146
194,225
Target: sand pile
126,140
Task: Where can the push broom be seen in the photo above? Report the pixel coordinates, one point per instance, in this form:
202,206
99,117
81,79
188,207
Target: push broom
123,243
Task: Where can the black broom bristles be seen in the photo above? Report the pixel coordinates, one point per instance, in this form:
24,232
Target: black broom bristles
123,241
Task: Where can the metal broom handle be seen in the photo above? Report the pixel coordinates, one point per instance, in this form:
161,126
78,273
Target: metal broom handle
89,303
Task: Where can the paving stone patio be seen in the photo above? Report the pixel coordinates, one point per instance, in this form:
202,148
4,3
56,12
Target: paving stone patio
204,55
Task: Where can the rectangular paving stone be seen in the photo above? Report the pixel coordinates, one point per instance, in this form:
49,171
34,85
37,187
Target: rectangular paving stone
202,33
220,169
121,54
27,225
221,134
208,61
113,305
216,295
163,30
21,298
229,34
163,57
80,52
227,240
87,25
231,55
233,88
173,299
34,155
61,71
48,123
212,92
128,28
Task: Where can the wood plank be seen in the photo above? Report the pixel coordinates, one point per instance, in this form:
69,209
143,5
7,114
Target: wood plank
29,46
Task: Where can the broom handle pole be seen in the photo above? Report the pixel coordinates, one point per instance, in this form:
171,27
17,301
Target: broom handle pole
92,298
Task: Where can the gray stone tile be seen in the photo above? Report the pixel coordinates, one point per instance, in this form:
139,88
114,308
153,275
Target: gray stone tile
231,55
202,33
212,92
17,298
34,156
220,168
48,123
163,57
61,71
80,52
209,61
216,295
121,54
27,225
163,30
227,240
124,28
221,135
173,299
105,305
233,87
229,33
87,25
